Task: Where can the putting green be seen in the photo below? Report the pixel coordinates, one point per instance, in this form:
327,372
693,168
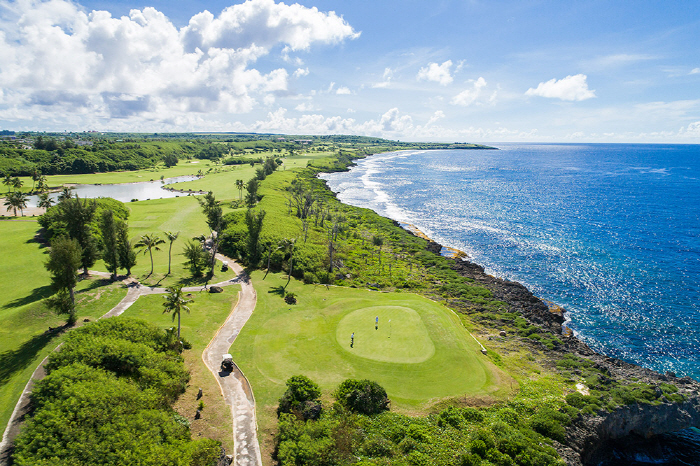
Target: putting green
429,356
399,337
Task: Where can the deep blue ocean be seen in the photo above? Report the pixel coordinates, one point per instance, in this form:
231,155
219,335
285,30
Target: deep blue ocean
611,232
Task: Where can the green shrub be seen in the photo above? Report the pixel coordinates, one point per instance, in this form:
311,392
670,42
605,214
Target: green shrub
362,396
300,389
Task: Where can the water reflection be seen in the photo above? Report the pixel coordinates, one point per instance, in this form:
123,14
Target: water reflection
125,192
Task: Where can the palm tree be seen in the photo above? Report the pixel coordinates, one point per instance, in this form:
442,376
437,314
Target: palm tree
176,303
171,237
148,243
36,174
7,181
239,185
45,201
42,185
288,245
66,193
17,183
16,200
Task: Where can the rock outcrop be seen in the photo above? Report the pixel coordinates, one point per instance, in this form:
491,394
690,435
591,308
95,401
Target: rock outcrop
589,438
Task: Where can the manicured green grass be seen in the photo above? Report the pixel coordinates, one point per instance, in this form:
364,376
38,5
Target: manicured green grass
208,313
222,184
312,338
183,214
184,167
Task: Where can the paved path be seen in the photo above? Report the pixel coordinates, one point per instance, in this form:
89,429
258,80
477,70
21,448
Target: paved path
235,388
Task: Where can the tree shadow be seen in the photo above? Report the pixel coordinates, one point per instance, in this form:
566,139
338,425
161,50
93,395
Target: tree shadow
96,284
278,290
16,360
37,294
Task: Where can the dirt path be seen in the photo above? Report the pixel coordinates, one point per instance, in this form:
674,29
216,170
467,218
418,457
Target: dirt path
235,388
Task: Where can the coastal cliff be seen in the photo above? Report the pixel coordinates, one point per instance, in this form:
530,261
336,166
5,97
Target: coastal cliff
590,437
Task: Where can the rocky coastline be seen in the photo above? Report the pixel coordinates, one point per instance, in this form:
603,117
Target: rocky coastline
590,438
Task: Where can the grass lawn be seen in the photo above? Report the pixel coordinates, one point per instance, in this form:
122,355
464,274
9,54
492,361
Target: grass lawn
183,214
223,184
423,357
24,340
184,167
208,312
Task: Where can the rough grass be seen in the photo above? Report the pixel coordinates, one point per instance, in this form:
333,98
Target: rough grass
208,312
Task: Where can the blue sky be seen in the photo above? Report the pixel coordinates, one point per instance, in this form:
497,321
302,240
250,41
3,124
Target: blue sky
483,71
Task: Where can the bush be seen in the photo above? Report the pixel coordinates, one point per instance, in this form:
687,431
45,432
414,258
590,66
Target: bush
300,389
550,423
362,396
290,298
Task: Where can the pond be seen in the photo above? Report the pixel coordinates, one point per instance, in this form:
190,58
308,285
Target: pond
125,192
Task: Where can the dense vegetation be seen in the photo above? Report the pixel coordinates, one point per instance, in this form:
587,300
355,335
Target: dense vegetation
106,400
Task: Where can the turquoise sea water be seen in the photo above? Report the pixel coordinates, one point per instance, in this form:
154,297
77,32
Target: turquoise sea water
609,231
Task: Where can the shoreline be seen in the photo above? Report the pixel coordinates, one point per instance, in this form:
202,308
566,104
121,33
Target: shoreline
591,438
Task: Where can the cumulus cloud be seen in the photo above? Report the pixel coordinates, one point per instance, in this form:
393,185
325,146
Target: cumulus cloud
572,88
695,71
471,95
301,72
343,91
438,115
438,73
54,54
692,130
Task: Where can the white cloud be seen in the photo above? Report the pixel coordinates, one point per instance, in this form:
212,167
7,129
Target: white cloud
305,107
59,59
695,71
438,73
472,95
692,131
570,88
438,115
387,77
301,72
343,91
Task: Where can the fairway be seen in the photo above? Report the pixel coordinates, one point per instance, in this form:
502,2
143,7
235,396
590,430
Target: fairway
399,337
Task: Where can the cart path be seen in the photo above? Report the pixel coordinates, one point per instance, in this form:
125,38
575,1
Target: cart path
235,388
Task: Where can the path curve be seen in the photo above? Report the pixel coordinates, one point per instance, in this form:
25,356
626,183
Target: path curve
235,387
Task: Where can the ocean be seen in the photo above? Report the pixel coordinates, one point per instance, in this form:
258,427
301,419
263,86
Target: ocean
610,232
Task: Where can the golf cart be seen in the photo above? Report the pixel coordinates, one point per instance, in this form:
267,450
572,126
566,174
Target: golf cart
224,267
227,363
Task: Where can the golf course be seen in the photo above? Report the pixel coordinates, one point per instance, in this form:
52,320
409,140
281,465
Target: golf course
386,318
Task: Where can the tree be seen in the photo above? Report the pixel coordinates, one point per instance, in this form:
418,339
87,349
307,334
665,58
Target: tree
45,201
215,221
16,200
17,183
148,243
78,215
362,396
63,264
36,174
127,256
66,193
171,238
300,390
7,181
239,185
170,160
197,258
176,303
110,251
42,185
288,245
254,222
252,197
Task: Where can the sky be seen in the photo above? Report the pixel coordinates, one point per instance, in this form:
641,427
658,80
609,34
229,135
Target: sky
410,70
